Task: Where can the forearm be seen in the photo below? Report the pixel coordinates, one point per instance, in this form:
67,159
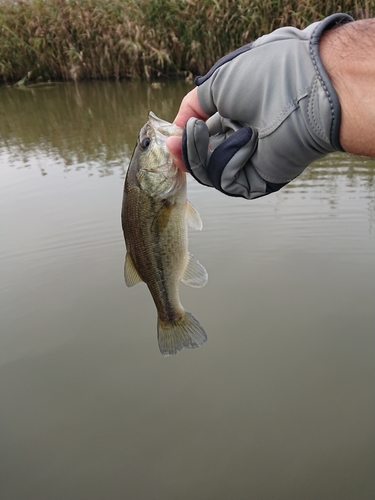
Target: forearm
348,55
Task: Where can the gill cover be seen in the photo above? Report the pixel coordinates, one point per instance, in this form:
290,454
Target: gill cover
158,175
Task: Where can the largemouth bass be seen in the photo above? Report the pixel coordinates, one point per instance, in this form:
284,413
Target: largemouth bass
155,218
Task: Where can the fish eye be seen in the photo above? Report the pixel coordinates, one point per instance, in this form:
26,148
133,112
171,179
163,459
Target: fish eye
145,143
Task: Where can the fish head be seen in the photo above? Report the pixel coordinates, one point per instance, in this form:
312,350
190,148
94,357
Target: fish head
152,165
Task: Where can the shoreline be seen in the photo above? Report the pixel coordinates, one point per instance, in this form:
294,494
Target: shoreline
74,40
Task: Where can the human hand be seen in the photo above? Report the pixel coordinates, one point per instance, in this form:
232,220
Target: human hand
189,108
275,112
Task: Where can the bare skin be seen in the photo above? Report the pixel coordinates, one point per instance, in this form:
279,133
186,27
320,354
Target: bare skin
348,55
189,108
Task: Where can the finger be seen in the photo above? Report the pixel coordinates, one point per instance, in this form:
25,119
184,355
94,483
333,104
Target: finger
174,145
189,108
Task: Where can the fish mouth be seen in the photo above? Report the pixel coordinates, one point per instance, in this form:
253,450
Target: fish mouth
162,128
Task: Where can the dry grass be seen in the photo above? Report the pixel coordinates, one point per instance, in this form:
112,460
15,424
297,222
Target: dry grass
82,39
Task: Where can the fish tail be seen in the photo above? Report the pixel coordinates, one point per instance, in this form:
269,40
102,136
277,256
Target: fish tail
185,332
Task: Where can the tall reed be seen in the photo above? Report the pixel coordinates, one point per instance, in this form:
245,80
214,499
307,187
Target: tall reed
82,39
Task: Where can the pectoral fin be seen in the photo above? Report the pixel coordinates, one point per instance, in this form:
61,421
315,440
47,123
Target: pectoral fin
131,274
192,217
161,219
194,273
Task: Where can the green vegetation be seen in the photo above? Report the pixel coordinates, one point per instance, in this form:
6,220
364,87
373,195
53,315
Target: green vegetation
82,39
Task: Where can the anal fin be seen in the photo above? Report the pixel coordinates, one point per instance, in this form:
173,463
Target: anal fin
195,274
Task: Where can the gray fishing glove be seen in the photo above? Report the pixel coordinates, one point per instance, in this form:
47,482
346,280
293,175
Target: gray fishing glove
274,110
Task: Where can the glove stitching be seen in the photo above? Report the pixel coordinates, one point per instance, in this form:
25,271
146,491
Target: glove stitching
331,21
313,120
313,59
291,106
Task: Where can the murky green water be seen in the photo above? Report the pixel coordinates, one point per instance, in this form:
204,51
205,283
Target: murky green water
279,404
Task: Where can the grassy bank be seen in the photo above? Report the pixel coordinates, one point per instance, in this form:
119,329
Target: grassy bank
82,39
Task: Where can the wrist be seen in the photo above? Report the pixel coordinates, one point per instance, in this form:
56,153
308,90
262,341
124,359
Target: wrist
348,55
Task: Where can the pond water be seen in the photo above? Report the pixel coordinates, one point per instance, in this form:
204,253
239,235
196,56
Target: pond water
278,404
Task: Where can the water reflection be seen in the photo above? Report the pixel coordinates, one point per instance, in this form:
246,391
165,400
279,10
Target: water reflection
94,126
91,125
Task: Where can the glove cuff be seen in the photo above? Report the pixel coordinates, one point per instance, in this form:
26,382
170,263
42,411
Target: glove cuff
322,26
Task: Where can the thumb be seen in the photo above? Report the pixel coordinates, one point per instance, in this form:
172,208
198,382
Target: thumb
174,144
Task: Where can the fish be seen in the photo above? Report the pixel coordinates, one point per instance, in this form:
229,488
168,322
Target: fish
155,217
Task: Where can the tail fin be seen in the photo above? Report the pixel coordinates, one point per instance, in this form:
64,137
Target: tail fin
185,332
